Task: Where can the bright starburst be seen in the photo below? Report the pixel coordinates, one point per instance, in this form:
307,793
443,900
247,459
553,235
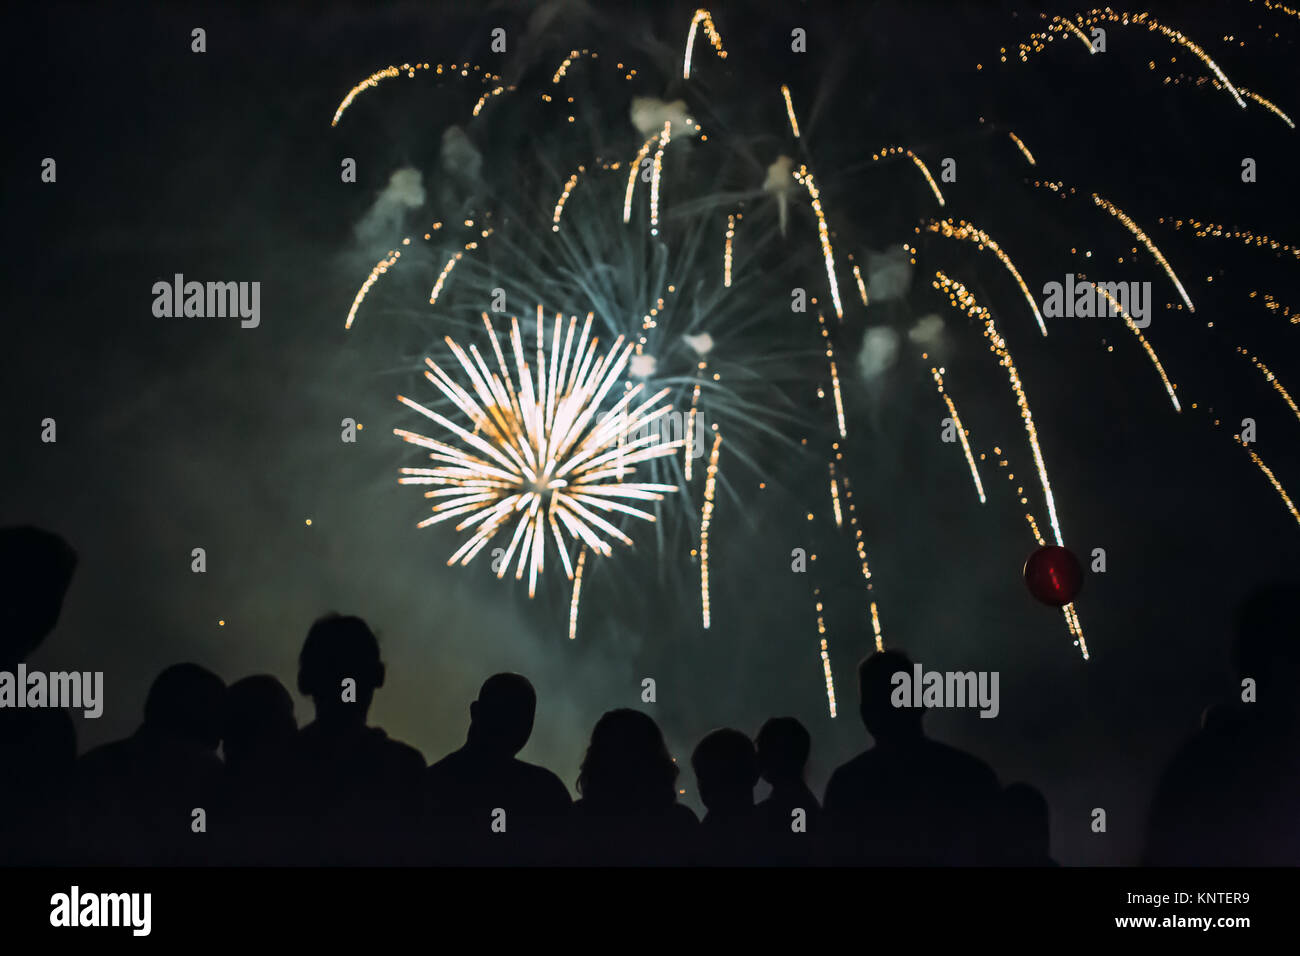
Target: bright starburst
539,452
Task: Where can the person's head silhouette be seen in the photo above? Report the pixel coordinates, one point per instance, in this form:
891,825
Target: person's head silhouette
259,721
726,769
186,702
885,722
627,767
501,720
340,670
35,570
1266,646
783,748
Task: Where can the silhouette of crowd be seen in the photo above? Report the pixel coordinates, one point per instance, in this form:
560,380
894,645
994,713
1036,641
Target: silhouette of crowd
219,774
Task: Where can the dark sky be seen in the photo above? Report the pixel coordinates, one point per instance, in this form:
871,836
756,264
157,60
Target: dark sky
180,433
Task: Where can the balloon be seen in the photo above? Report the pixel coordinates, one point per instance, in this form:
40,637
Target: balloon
1053,575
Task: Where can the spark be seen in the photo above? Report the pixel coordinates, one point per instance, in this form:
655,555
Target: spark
1142,237
835,497
789,110
540,452
706,518
690,421
633,169
1170,387
564,197
1023,148
1033,527
442,277
858,541
875,626
961,432
925,170
1273,305
654,179
835,376
1268,473
382,266
1274,381
825,652
1124,18
862,289
701,16
1207,230
577,590
805,178
726,253
960,297
969,232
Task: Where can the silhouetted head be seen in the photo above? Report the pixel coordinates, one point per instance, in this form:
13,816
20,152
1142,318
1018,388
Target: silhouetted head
1025,823
501,720
187,701
1267,642
259,720
726,769
338,649
35,570
783,748
627,767
884,721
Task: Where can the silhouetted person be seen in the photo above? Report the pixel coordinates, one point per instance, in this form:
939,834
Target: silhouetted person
908,800
486,805
359,790
726,770
259,732
140,794
37,745
1231,794
628,811
783,749
1024,832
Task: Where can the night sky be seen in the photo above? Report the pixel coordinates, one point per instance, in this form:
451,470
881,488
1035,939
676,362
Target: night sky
176,433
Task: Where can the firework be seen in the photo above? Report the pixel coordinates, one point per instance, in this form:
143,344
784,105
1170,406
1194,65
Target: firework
969,232
805,178
789,110
1274,381
541,453
1143,238
701,16
937,374
1023,148
706,518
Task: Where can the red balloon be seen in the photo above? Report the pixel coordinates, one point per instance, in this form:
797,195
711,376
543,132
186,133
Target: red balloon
1053,575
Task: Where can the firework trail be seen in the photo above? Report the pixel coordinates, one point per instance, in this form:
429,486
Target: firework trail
577,591
540,453
1143,238
917,161
1214,230
937,374
1273,305
381,267
1023,149
805,178
969,232
706,518
825,653
410,69
701,16
1273,380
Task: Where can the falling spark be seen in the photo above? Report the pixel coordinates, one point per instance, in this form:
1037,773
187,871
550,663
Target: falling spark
835,498
690,421
577,589
1142,237
1273,379
805,178
484,98
654,179
862,288
564,197
925,170
1268,473
382,266
442,277
1124,18
706,518
961,432
540,449
726,253
835,376
1151,352
1076,628
1033,527
1023,148
875,626
631,175
1206,230
969,232
701,16
858,541
1273,305
959,297
789,110
826,657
